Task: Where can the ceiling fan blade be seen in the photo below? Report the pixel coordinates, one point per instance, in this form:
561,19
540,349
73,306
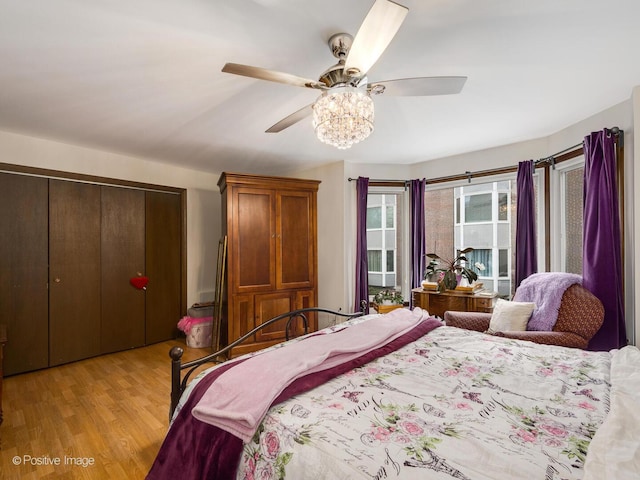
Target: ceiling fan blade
295,117
376,32
420,86
272,76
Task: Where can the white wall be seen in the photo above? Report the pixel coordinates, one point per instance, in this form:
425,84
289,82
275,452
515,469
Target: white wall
337,228
203,196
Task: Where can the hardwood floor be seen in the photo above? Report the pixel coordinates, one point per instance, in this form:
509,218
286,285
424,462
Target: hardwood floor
109,413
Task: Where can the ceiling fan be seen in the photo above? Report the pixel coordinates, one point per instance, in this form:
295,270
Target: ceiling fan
343,114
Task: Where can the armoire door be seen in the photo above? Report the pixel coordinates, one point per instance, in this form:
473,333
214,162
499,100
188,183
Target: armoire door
23,275
295,240
251,257
122,257
270,305
164,266
74,272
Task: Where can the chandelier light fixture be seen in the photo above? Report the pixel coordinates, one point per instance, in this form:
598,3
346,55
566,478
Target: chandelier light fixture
343,116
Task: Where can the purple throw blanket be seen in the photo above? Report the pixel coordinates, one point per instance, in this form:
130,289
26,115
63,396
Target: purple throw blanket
545,290
193,449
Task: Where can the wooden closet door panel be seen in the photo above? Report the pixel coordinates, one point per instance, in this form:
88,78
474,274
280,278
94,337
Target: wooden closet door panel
251,255
74,274
122,257
164,266
295,245
23,275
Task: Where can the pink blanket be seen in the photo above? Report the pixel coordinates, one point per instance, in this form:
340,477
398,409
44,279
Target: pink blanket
238,400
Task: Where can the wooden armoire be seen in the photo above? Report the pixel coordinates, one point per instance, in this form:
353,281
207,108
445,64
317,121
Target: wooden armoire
272,254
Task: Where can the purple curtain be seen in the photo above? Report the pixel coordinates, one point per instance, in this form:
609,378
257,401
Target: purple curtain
601,249
362,264
417,232
526,251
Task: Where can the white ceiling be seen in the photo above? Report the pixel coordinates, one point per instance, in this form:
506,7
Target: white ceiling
142,77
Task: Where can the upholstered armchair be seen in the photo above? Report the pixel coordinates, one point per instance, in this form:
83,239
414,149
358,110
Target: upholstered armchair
579,318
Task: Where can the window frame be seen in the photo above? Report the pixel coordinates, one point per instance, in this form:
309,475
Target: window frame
402,261
539,181
557,213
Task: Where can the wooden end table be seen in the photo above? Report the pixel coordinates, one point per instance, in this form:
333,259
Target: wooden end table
437,303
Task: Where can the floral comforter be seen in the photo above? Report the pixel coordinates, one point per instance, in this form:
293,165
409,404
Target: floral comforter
454,404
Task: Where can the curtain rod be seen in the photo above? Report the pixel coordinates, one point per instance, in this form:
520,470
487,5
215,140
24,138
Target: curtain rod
541,162
382,180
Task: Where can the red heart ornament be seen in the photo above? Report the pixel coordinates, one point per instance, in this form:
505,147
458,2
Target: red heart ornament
139,282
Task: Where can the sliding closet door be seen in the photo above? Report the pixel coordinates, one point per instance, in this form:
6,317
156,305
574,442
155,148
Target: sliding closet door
23,272
122,253
74,274
164,266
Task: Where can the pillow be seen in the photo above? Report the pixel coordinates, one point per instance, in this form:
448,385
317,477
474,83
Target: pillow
510,316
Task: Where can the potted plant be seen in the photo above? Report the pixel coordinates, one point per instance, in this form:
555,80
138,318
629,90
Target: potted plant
388,297
452,270
431,271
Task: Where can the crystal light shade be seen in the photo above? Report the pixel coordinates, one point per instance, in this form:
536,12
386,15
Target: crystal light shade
343,116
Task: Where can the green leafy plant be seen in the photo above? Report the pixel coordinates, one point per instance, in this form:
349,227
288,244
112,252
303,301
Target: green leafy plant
431,269
451,269
388,295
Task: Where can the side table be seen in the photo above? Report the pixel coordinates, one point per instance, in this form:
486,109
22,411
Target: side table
437,303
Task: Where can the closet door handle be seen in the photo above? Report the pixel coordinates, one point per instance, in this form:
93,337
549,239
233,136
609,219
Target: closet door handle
57,280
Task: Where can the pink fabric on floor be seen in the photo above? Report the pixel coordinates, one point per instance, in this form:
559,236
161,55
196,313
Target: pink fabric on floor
187,323
238,400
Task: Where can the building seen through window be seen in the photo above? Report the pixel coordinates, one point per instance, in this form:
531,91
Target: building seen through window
480,216
385,237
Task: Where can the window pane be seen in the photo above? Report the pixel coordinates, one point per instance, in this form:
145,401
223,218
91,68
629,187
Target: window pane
477,208
374,199
503,206
385,240
573,205
390,217
374,258
391,255
374,217
483,256
503,263
458,210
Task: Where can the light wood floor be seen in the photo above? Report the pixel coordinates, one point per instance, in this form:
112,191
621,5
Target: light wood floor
112,409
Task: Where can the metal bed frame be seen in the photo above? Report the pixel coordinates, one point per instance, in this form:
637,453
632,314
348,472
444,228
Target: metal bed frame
179,382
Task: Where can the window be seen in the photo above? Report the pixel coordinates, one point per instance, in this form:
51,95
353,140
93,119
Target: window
573,182
374,217
477,208
567,215
481,216
374,258
385,240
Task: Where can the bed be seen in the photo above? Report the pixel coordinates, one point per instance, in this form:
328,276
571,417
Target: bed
427,401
